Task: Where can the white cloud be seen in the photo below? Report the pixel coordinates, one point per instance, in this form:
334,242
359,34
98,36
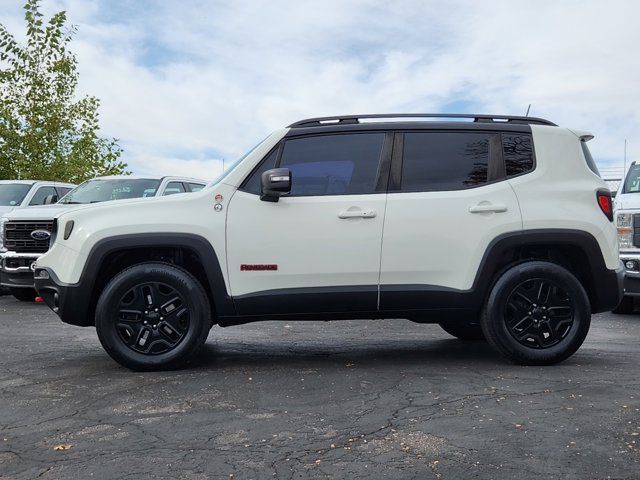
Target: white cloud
185,83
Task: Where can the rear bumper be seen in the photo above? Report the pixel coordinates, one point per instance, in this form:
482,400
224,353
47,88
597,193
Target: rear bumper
609,290
69,302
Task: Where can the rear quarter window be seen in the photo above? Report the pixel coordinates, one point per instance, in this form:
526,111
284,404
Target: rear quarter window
517,150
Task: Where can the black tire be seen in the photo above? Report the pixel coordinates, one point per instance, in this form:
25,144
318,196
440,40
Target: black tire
532,324
24,294
467,331
130,322
625,307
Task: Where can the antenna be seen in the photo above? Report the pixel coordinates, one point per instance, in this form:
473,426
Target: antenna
624,164
528,108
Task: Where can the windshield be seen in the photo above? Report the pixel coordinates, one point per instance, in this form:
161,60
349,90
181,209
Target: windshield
632,182
235,164
12,194
101,190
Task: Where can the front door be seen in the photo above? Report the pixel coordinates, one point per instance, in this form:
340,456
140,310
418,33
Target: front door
317,249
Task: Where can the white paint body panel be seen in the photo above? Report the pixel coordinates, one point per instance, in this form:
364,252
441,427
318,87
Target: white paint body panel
305,238
431,238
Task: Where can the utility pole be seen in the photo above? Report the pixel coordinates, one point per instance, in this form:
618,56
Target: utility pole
624,164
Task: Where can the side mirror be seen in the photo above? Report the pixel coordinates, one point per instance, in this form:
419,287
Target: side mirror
49,199
275,183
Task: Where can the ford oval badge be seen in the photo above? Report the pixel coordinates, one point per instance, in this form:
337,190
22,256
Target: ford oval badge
40,235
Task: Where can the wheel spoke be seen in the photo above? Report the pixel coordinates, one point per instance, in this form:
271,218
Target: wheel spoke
152,318
539,323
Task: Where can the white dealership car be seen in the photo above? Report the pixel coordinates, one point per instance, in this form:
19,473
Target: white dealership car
25,233
495,227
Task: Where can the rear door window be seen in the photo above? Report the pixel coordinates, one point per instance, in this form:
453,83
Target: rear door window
438,161
173,188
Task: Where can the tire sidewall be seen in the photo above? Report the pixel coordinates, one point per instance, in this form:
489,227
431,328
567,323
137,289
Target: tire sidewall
495,327
184,283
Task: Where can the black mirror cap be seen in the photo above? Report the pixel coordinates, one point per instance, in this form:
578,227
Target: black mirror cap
275,183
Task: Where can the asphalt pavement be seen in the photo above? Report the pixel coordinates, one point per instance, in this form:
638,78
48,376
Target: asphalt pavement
289,400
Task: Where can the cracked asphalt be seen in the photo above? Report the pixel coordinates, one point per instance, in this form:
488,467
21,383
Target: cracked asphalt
288,400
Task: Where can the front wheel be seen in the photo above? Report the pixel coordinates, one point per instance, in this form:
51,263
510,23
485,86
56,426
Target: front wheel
537,313
153,316
24,294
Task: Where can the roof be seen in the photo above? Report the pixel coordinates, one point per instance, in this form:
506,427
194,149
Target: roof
150,177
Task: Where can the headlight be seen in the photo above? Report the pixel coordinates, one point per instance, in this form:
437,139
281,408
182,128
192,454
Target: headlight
624,223
3,220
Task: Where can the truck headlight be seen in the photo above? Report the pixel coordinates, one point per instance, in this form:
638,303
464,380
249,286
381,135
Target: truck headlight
624,223
3,220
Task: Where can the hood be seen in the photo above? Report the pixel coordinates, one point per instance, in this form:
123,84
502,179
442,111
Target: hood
4,209
627,201
44,212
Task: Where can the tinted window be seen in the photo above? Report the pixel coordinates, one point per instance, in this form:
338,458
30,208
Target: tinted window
196,187
333,164
518,154
41,194
12,194
62,191
434,161
173,188
253,184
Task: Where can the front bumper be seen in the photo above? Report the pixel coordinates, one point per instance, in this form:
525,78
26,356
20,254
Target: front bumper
69,301
16,269
632,276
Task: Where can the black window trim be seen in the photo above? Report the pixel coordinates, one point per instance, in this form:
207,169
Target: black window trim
495,163
382,171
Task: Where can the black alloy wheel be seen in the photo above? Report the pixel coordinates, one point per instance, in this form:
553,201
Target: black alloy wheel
152,318
539,313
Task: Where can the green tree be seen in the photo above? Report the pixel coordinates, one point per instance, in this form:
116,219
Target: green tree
46,131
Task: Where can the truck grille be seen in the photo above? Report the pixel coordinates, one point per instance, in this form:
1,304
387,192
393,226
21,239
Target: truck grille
636,230
17,236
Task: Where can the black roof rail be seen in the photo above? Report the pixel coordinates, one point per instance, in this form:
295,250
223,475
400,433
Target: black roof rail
351,119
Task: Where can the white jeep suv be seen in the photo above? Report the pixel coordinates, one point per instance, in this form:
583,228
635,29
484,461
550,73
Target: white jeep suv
493,227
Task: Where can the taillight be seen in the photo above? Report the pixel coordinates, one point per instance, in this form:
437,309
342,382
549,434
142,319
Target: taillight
605,203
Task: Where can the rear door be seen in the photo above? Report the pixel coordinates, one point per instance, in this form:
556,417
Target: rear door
317,249
448,200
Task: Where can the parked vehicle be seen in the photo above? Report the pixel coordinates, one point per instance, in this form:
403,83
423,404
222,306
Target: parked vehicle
498,227
627,209
27,193
25,234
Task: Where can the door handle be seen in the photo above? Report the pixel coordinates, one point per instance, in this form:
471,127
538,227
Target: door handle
488,207
357,214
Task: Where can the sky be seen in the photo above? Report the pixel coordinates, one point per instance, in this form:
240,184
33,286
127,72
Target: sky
187,86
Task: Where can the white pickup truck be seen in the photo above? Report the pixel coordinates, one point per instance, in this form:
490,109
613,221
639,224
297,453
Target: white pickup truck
627,208
25,233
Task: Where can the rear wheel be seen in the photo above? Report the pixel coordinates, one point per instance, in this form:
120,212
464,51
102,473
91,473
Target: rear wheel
464,330
537,313
153,316
24,294
625,307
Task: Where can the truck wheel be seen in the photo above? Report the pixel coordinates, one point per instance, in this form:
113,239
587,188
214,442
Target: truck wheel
537,313
24,294
153,316
625,307
463,330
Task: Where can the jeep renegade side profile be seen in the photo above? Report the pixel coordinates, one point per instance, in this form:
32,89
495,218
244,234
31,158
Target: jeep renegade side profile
495,228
